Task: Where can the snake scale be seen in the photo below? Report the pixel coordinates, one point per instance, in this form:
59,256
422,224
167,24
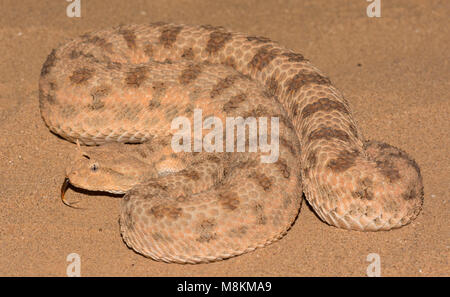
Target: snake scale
127,84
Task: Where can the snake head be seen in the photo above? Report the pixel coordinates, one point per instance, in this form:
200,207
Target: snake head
105,169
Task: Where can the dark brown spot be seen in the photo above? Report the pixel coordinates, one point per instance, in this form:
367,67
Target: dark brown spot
206,237
159,87
283,167
164,141
217,41
293,57
114,65
130,38
159,90
286,202
247,164
136,76
49,63
129,222
44,96
188,53
213,158
412,193
142,153
263,57
100,42
388,169
389,159
81,75
148,50
364,190
323,104
98,93
392,151
223,84
272,86
262,180
86,36
101,91
234,102
353,129
229,200
168,211
238,232
258,39
189,109
206,228
52,85
96,104
259,111
286,143
311,161
261,219
156,185
153,104
181,198
294,108
157,236
230,61
303,78
190,73
328,133
191,174
169,36
75,54
344,160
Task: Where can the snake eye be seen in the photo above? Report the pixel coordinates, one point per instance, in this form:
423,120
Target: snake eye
94,167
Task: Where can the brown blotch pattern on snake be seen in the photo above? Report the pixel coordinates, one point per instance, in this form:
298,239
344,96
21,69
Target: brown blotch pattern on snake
190,73
325,105
229,200
136,76
130,38
263,57
344,160
223,84
217,41
81,75
305,77
49,63
234,102
169,35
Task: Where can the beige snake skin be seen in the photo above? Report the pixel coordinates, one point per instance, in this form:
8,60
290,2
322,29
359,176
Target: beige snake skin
127,85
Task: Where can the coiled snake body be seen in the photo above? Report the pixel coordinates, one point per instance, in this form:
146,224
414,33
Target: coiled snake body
127,84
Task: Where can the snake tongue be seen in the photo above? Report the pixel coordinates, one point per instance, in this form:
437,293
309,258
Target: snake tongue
64,187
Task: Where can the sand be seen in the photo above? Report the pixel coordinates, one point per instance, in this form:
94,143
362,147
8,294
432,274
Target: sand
394,71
